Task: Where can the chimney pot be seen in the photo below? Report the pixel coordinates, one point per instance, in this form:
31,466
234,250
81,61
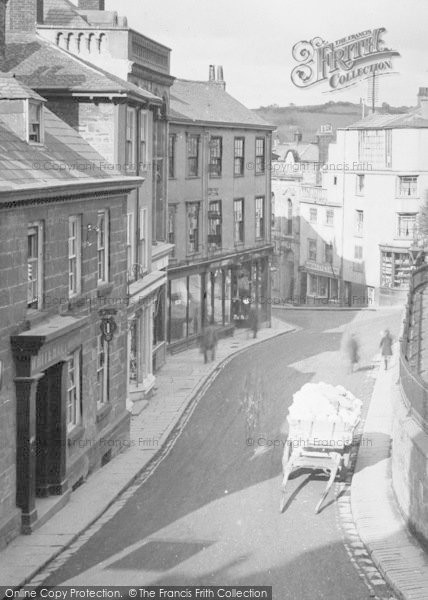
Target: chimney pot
423,101
220,80
212,73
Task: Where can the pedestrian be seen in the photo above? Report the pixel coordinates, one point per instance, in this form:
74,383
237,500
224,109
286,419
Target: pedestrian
253,321
209,342
386,347
353,351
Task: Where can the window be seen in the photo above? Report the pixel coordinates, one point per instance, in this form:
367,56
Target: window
192,227
312,249
192,156
102,371
289,217
74,409
359,222
74,255
407,186
171,155
374,148
130,245
35,266
328,253
358,252
260,156
216,155
103,246
35,122
238,221
142,246
260,217
171,224
395,269
335,180
144,138
406,225
329,216
360,184
239,149
313,215
214,223
130,138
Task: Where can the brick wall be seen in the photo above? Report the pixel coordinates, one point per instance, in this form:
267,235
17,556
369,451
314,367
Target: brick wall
22,15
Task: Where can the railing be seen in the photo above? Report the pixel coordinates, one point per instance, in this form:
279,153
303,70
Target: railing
315,193
414,387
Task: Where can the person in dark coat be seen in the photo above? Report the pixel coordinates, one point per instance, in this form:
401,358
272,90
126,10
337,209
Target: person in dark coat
253,321
353,351
209,342
386,346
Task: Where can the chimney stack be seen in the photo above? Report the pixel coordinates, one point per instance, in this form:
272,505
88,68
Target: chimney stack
211,73
220,79
3,4
423,101
21,15
92,4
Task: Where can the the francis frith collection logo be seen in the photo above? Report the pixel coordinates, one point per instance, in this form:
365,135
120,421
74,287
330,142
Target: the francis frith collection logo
344,62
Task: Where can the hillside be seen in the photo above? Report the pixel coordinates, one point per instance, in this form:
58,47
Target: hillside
309,118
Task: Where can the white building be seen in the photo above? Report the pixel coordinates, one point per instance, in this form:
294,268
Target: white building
378,170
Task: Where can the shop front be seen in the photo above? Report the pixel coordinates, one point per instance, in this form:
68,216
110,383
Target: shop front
320,284
219,293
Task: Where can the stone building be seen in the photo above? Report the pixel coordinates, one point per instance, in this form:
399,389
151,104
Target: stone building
63,298
219,209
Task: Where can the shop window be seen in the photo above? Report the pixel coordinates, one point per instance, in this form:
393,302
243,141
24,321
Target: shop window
214,224
238,220
74,411
102,371
260,156
216,156
395,269
103,246
193,155
260,217
177,309
192,227
312,250
195,308
35,266
239,152
74,255
406,225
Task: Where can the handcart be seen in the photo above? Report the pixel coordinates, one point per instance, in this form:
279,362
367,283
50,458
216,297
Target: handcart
317,445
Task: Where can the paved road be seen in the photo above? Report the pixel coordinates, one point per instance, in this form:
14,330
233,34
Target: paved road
209,513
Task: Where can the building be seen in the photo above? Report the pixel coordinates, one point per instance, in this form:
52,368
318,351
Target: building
219,209
378,171
127,125
63,309
302,233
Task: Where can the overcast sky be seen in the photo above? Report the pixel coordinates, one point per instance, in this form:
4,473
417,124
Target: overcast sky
253,42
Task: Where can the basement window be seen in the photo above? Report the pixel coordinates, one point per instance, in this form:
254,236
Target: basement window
35,125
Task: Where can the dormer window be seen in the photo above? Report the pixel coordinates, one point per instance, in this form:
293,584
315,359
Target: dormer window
35,132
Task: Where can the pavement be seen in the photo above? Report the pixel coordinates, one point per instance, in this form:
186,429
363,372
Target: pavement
179,384
381,527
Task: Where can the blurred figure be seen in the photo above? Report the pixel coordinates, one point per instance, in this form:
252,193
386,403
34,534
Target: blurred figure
353,351
209,342
386,347
253,320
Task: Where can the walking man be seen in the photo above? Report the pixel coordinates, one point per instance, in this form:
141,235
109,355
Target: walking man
386,347
253,320
209,342
352,349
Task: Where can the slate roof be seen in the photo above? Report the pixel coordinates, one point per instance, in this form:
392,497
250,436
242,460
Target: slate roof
62,13
409,120
12,89
43,66
64,158
203,101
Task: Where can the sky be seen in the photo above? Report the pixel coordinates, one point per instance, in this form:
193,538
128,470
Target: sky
253,41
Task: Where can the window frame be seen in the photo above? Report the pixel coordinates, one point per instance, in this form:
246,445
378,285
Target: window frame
328,253
76,403
144,137
260,220
400,190
142,238
239,159
39,122
359,222
193,247
130,138
215,224
401,215
329,212
239,226
260,162
360,184
39,227
103,216
77,256
312,246
172,149
215,157
313,215
193,137
103,369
